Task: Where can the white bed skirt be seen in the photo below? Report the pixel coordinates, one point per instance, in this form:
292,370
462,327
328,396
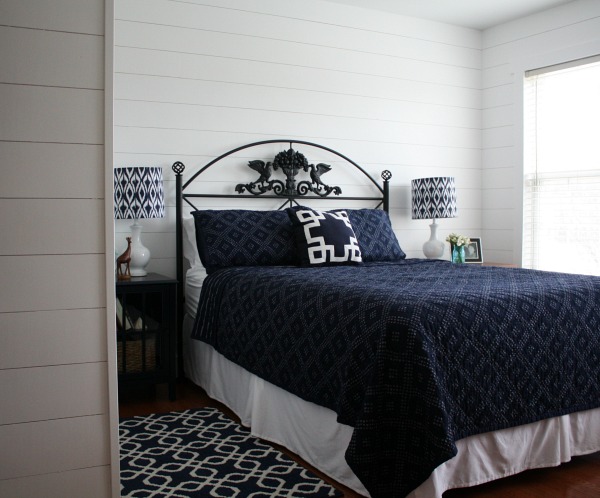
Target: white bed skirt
312,432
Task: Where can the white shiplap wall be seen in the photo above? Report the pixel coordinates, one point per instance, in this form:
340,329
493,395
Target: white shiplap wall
557,35
54,422
195,79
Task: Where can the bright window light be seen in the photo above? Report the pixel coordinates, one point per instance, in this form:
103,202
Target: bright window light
561,192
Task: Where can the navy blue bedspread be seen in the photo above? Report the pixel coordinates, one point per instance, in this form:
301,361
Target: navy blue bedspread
415,355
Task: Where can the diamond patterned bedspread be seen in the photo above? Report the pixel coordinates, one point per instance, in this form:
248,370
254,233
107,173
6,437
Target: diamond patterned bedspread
415,354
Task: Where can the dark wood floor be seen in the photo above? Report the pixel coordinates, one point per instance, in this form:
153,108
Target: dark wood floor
579,478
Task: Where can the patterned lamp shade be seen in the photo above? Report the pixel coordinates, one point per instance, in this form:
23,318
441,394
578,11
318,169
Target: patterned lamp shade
139,193
433,198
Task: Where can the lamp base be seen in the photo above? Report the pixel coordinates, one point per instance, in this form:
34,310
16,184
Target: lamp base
433,248
140,254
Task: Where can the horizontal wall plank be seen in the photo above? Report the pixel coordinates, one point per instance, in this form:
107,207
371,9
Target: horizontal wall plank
500,239
502,157
255,24
69,484
51,58
501,136
579,33
498,198
498,116
43,114
548,21
244,72
215,142
268,122
52,170
53,226
334,14
40,338
498,96
77,16
498,177
283,52
197,94
52,282
502,74
500,219
54,392
37,448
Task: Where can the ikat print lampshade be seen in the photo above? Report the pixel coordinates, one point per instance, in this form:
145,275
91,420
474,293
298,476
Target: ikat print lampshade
139,193
432,198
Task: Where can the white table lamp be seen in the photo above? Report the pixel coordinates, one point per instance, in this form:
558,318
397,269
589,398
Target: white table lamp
139,193
433,198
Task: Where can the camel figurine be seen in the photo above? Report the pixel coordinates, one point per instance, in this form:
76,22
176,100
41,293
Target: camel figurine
124,260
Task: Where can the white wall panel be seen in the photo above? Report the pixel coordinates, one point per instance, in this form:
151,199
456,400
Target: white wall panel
292,29
51,114
498,178
169,141
292,77
499,136
63,171
53,392
282,52
499,116
497,75
41,236
52,282
54,428
193,92
498,158
496,96
75,16
51,58
332,14
69,484
499,219
40,338
32,448
291,123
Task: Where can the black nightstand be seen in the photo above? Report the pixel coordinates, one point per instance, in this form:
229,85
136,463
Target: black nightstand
146,330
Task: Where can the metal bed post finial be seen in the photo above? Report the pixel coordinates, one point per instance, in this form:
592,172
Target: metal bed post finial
386,175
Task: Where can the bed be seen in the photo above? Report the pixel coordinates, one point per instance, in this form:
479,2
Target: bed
394,376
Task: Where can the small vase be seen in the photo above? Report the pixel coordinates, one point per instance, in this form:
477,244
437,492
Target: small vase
458,254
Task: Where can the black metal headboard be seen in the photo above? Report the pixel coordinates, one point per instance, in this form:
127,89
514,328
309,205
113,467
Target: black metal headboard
292,163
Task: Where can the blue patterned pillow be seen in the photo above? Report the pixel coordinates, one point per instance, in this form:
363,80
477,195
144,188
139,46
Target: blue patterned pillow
244,238
375,235
324,238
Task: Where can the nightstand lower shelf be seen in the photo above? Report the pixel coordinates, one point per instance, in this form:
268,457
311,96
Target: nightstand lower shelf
146,331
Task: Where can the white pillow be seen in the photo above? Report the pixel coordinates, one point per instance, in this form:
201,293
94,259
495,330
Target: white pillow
190,248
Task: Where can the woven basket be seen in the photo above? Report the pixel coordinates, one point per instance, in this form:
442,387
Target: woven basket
134,357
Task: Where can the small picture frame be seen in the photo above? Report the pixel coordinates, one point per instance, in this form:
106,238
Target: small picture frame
473,252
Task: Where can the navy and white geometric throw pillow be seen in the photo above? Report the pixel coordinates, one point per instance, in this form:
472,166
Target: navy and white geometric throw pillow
324,238
375,235
240,237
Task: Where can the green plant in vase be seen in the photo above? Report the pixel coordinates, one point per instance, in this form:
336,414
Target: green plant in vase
457,247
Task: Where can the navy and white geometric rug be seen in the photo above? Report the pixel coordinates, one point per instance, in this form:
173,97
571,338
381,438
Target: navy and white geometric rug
203,453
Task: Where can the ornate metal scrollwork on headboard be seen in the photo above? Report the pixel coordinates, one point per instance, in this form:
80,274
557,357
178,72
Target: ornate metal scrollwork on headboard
290,162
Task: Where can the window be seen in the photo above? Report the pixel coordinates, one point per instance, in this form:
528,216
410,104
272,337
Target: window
561,193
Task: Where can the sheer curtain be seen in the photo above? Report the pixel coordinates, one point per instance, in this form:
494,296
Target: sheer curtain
561,192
